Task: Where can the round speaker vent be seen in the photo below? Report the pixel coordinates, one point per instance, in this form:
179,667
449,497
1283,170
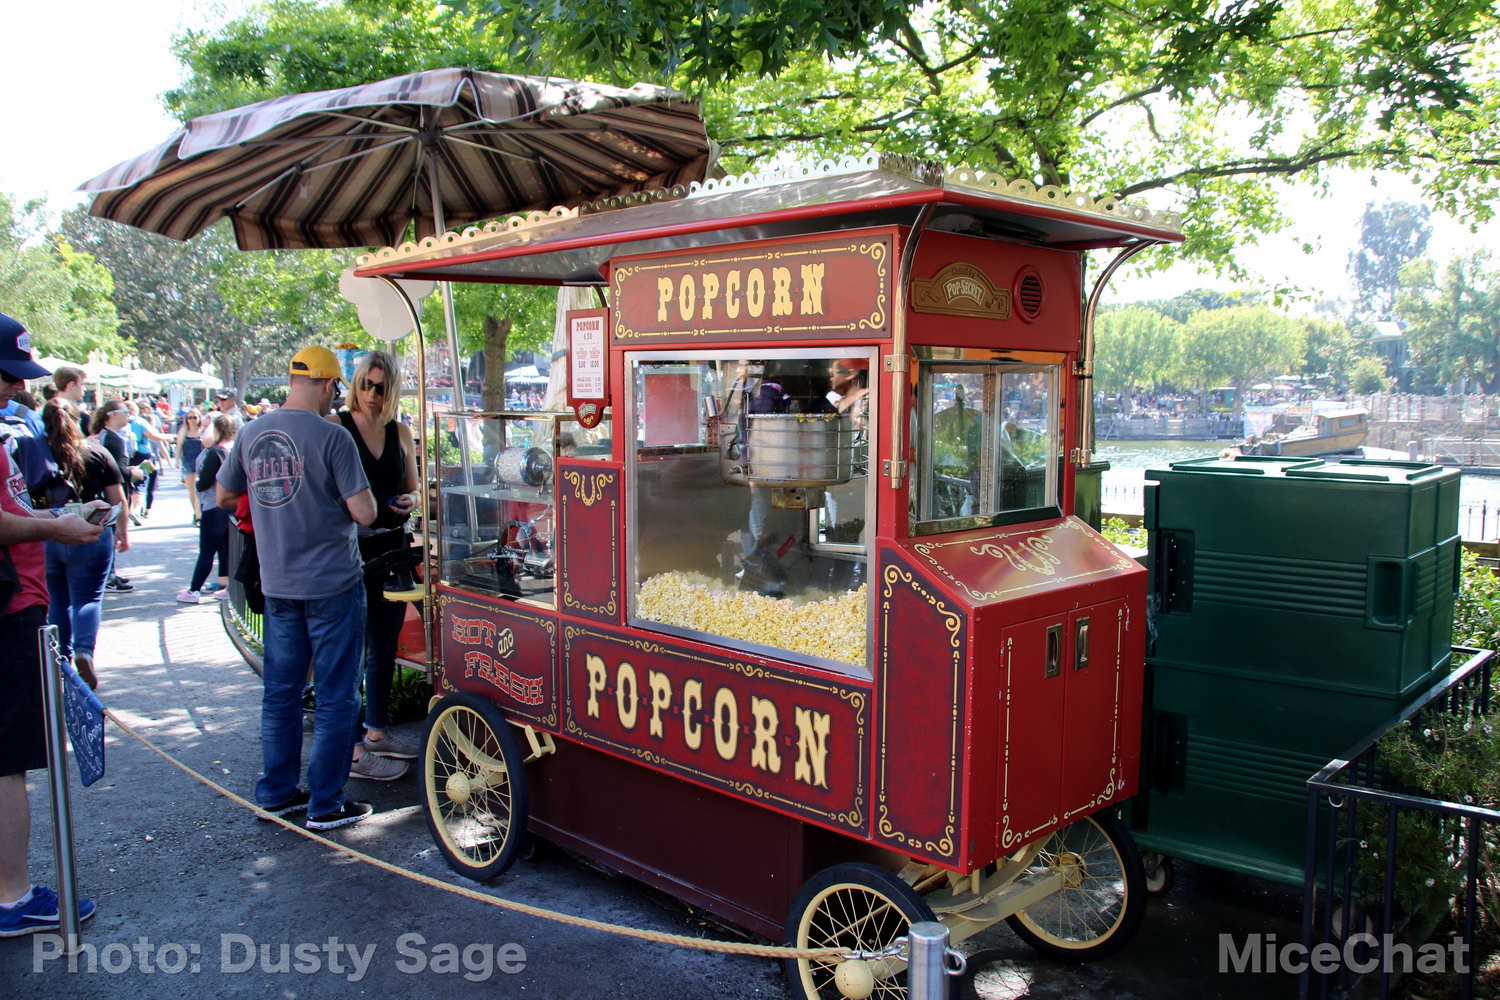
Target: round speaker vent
1029,294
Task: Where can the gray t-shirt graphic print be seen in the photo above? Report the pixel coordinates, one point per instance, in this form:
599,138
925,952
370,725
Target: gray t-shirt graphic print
298,469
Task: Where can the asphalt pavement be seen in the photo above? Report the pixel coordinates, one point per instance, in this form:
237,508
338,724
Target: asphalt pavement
197,898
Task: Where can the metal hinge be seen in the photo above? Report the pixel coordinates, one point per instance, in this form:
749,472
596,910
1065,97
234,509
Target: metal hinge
899,472
897,363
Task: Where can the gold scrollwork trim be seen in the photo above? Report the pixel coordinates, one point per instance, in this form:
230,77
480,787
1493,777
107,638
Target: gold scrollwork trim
942,848
588,489
609,608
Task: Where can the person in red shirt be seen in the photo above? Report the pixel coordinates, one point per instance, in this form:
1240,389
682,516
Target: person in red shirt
24,908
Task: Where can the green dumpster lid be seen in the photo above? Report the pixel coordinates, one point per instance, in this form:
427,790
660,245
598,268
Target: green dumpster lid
1244,465
1360,470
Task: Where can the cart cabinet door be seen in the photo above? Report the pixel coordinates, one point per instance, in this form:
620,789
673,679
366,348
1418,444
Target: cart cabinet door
1094,725
1032,685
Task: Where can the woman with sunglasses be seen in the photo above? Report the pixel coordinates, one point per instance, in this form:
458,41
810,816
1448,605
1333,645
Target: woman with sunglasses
389,459
189,447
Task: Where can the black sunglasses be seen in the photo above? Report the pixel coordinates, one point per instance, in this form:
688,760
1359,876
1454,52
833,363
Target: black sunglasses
377,387
6,376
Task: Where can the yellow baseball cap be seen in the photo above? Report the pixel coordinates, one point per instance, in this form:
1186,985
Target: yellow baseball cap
317,362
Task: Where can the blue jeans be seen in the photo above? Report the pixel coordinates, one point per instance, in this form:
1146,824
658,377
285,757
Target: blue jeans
75,590
329,633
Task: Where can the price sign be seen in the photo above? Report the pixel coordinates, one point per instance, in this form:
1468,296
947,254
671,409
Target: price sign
588,364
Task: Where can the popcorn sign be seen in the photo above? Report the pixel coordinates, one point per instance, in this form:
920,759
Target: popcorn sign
588,370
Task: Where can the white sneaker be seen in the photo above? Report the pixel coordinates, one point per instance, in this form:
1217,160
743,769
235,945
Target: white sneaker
188,597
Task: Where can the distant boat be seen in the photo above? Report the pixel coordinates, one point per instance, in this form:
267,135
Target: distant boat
1329,432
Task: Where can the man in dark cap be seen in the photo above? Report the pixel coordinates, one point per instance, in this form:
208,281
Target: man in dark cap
24,908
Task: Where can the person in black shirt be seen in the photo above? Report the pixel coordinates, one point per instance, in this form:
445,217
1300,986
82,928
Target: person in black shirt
76,574
213,524
388,457
107,427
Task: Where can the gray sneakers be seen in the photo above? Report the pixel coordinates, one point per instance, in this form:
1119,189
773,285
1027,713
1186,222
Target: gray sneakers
377,768
391,745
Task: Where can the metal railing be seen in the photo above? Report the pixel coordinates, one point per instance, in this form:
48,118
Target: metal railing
1356,815
248,622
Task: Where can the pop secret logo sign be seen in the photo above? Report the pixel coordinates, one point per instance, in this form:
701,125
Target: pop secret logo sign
797,289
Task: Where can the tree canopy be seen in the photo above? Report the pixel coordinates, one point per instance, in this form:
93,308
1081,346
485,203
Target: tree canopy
61,294
1452,318
1197,105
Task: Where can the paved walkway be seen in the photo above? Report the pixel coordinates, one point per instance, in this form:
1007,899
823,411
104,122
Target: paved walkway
196,898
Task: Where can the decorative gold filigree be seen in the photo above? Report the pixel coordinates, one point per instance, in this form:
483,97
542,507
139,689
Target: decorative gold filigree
588,489
531,226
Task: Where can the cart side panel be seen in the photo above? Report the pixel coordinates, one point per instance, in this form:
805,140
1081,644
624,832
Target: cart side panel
971,292
923,708
789,739
1102,727
500,651
729,856
590,550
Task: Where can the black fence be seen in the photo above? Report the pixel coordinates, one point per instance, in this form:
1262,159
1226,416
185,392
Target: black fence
1361,925
238,613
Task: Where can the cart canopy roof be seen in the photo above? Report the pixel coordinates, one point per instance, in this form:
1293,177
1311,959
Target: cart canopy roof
572,246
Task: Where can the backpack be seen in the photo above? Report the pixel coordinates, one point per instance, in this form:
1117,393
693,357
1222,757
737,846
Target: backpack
31,455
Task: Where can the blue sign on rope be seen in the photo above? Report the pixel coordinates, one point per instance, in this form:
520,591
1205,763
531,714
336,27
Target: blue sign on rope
83,714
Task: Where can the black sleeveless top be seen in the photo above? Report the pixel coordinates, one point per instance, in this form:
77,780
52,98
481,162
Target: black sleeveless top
387,474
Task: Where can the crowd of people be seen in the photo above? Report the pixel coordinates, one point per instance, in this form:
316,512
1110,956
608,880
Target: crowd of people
300,480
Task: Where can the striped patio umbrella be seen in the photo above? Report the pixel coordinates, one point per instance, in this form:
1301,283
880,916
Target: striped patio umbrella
443,148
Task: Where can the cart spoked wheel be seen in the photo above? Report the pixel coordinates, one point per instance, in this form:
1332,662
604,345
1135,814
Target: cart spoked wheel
1102,899
473,786
854,907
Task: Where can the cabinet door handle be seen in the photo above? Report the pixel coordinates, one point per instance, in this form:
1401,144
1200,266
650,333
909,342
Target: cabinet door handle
1081,644
1054,650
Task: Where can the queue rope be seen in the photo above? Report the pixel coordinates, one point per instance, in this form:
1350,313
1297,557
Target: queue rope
660,937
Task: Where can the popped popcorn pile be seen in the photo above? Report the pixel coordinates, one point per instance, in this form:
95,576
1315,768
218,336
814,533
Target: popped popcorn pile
833,628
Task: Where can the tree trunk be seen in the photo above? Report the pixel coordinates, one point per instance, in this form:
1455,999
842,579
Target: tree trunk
492,389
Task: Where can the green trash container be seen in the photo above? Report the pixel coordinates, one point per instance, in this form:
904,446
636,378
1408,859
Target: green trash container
1296,605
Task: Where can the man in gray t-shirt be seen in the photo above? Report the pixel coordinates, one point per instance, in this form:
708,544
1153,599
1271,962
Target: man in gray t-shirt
307,491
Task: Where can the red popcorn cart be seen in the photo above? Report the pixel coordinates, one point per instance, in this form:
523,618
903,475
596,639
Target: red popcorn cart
790,611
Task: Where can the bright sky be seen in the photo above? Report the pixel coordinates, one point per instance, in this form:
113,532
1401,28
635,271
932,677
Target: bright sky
86,78
84,83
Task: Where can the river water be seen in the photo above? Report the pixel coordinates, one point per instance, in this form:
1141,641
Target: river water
1479,496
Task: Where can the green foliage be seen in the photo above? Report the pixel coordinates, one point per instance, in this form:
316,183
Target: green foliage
1390,237
1367,375
59,292
1328,347
1137,348
1199,104
1115,530
1476,614
292,46
1239,346
410,692
1453,318
1452,756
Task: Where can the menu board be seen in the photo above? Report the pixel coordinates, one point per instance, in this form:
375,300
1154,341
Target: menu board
588,364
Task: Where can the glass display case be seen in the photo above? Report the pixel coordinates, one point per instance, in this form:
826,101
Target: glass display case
496,518
987,441
751,497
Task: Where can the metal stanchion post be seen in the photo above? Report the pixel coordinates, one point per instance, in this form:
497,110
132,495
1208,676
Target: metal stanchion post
927,969
57,777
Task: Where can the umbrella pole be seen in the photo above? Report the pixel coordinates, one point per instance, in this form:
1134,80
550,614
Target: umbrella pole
450,322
